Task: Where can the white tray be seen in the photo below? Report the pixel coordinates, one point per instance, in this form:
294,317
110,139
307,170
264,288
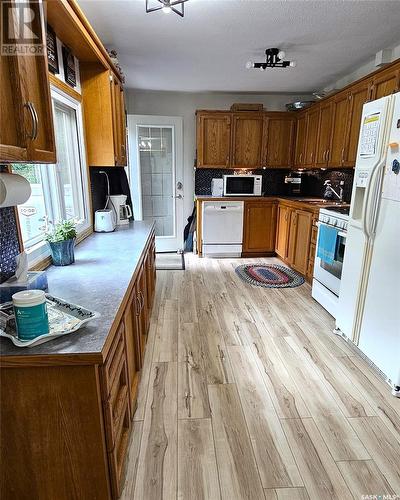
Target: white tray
64,318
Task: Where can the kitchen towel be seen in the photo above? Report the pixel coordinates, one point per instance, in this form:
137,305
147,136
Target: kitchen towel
327,240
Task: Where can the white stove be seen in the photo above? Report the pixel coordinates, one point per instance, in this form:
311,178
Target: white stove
327,276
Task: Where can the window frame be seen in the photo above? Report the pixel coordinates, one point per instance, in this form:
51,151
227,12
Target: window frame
41,250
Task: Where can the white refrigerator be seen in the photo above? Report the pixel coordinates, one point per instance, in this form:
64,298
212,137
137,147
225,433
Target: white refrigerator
369,298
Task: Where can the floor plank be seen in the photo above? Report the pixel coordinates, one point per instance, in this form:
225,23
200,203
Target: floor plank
197,471
320,474
287,494
364,478
274,458
383,448
157,468
238,474
132,461
192,378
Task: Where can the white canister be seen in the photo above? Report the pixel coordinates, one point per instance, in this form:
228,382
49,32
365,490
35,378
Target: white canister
30,310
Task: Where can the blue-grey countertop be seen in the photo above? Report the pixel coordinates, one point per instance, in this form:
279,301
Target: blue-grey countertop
98,280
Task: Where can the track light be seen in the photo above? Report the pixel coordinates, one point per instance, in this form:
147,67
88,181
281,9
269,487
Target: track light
273,59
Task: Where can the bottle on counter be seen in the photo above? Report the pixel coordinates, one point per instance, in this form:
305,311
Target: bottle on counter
30,310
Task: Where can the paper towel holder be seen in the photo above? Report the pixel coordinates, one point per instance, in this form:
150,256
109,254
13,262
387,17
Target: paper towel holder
14,190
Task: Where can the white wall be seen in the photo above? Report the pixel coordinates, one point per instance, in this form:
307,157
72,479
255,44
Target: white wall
362,71
185,104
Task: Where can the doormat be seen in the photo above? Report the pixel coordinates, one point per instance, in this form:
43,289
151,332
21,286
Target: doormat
269,276
170,261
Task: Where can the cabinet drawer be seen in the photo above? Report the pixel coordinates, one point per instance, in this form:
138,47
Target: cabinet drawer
314,233
114,406
117,457
112,362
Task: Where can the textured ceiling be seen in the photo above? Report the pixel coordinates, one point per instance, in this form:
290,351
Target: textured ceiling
208,49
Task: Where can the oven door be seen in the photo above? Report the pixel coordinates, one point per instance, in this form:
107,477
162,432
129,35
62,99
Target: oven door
239,185
330,275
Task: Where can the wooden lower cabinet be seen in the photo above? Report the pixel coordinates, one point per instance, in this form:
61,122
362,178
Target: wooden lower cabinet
282,231
259,227
296,235
67,421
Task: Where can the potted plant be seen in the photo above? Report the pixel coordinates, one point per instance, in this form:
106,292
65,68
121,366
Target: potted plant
61,239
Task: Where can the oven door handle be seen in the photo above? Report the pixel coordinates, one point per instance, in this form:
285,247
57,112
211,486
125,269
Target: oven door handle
340,233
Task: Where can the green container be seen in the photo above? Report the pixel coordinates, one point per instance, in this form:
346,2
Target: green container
30,310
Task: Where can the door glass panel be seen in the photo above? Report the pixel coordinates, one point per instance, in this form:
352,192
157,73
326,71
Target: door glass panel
156,158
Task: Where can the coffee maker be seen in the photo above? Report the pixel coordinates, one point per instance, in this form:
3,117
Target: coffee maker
294,182
121,210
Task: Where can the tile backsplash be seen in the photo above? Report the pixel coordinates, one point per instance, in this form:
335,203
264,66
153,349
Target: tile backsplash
274,181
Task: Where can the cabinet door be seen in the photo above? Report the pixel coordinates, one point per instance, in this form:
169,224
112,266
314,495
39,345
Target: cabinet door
259,227
213,139
118,119
247,138
301,234
324,134
300,140
13,139
278,143
385,83
358,96
340,125
132,346
311,136
25,87
282,231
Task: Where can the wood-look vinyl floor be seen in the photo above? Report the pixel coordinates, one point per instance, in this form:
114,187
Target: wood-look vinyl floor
247,394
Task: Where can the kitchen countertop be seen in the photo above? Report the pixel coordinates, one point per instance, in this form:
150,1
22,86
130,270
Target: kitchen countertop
98,280
311,202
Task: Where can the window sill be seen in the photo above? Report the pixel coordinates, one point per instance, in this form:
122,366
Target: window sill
39,257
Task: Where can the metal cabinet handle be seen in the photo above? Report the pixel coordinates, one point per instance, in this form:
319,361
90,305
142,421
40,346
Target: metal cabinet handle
301,158
35,121
328,154
142,299
342,158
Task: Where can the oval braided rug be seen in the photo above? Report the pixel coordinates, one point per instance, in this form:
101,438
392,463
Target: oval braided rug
269,276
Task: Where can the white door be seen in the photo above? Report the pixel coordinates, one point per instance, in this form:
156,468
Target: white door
156,176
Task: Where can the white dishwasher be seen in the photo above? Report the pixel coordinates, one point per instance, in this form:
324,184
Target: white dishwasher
222,228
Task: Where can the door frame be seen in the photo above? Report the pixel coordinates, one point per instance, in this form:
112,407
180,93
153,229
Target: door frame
176,123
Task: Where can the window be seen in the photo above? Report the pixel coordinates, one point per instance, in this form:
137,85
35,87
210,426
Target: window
59,191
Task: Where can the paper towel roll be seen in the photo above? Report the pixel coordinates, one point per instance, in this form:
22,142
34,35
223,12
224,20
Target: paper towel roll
14,190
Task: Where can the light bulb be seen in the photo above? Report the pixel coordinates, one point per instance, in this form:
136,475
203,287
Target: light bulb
281,55
249,64
166,10
293,64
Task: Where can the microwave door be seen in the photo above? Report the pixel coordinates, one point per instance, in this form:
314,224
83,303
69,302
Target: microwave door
238,185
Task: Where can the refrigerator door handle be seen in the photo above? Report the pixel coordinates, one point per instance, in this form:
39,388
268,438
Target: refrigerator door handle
366,222
378,178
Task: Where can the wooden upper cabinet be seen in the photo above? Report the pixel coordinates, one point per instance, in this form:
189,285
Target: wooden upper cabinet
386,82
213,139
312,135
247,140
358,96
301,135
26,130
278,143
259,227
341,107
104,116
324,134
119,122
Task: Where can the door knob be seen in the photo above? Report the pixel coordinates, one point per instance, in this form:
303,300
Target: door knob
178,196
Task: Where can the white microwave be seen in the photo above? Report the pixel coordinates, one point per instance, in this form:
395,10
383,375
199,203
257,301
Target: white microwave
242,185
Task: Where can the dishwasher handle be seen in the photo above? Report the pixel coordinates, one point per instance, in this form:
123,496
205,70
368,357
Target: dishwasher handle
223,208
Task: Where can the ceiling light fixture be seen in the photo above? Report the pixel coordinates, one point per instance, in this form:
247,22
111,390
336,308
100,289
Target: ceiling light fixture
273,59
167,6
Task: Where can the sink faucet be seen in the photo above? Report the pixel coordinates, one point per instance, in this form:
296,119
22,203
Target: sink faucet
329,189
